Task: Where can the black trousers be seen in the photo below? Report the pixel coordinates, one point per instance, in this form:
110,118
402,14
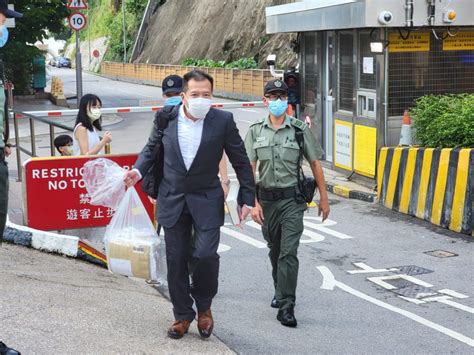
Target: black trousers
191,251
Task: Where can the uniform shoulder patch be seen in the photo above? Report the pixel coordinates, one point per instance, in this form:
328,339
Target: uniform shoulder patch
259,121
298,123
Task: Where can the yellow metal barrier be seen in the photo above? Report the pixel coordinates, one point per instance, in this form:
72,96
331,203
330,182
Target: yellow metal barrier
432,184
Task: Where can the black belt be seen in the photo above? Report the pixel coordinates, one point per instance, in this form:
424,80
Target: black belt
276,194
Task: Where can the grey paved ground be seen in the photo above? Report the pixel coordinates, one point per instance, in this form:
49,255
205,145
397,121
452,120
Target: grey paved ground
56,305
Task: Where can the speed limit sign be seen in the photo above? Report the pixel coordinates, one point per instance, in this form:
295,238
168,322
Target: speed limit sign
77,21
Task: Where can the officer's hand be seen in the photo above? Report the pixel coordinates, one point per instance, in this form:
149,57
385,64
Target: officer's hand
131,177
257,214
323,207
152,200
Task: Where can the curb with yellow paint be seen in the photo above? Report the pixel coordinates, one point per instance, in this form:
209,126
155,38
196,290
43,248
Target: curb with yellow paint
436,185
347,192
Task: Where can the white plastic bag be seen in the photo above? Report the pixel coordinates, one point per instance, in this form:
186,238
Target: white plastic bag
103,179
131,243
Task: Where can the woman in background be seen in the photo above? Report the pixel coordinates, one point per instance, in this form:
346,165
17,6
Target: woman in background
86,140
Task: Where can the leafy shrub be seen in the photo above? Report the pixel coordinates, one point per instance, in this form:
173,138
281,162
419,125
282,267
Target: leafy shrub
242,63
444,121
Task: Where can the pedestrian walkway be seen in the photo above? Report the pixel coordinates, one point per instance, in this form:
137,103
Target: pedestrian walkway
52,304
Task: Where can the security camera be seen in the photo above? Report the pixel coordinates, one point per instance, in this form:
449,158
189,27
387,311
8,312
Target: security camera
385,17
271,59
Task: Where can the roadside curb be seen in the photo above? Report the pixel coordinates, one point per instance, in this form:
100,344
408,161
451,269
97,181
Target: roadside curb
61,244
346,192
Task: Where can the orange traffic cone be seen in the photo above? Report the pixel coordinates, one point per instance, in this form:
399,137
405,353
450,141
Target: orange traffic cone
405,134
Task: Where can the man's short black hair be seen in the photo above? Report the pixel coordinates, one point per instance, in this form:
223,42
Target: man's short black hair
197,75
62,140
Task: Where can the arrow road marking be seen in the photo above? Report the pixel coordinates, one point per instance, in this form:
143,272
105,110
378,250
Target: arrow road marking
329,283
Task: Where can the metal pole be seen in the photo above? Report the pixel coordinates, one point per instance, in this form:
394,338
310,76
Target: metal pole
78,68
33,137
385,94
89,36
51,140
17,144
124,33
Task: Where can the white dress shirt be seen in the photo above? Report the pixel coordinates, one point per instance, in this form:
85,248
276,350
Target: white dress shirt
189,136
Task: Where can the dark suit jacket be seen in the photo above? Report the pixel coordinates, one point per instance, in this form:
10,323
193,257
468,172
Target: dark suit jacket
199,186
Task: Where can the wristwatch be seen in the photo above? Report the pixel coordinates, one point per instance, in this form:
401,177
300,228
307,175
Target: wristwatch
225,182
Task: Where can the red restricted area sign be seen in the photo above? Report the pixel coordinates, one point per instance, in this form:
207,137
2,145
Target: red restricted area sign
57,199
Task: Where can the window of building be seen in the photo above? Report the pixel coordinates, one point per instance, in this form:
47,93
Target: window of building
437,71
346,70
310,68
367,77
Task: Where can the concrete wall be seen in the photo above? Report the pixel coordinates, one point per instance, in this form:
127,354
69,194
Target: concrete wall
231,83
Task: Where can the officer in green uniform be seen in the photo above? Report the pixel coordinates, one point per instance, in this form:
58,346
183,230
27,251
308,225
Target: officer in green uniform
5,13
279,207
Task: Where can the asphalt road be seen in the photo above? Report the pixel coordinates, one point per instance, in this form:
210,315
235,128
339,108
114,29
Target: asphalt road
367,284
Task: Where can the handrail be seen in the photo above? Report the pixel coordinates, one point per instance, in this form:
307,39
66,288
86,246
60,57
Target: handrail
32,152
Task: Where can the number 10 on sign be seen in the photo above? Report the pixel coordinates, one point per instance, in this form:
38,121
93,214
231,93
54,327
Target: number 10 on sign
77,21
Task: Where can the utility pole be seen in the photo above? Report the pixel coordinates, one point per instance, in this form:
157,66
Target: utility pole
124,33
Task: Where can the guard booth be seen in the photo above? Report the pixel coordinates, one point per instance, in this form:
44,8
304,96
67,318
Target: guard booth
363,62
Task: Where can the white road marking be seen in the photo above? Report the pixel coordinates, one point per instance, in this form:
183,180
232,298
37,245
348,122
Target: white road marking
366,269
329,283
452,293
323,229
412,300
457,305
447,300
314,237
223,248
244,238
379,280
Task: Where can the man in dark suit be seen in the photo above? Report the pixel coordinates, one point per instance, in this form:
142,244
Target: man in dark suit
190,202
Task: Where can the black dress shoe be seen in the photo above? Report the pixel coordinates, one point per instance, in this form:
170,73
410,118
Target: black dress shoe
287,317
275,303
5,350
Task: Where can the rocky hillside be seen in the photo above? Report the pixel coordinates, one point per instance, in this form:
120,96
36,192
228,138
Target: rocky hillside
214,29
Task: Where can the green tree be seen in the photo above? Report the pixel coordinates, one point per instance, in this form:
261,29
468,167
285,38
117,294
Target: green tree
40,19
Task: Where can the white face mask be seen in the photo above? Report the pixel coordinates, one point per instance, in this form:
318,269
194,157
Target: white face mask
68,151
94,114
198,107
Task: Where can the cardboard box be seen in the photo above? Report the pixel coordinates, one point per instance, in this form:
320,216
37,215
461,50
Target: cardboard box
233,205
134,258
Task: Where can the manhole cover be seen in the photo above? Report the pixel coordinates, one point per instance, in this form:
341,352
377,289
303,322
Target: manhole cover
411,270
440,253
415,291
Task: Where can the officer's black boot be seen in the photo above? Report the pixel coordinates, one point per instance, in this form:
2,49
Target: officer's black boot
287,317
275,303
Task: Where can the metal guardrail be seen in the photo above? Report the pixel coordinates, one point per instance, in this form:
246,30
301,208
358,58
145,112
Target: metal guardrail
32,153
42,116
